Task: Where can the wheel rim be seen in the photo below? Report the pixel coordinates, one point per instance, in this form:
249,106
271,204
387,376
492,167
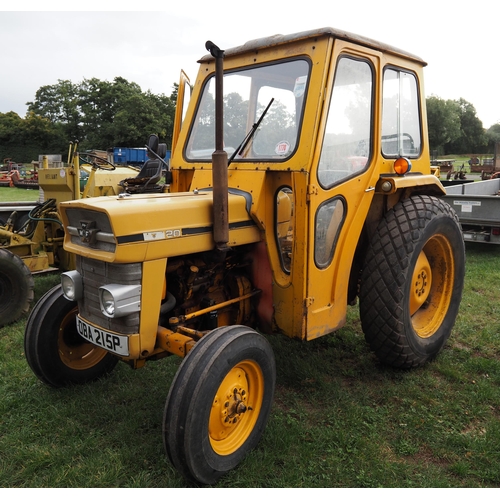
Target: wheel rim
75,352
236,407
432,286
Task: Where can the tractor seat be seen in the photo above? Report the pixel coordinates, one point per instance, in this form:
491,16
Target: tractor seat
146,181
152,167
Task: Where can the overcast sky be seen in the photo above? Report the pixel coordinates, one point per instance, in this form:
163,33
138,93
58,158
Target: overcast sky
459,43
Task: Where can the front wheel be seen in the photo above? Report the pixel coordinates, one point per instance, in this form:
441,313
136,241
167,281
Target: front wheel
55,351
219,403
412,281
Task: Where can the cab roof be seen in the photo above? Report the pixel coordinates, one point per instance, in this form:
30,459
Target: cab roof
275,40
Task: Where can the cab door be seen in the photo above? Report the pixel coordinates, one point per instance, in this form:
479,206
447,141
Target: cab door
341,186
183,97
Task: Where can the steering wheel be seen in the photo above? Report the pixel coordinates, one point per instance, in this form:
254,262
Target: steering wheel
97,161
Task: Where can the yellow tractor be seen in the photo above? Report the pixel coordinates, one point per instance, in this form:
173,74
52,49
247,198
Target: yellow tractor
31,236
300,182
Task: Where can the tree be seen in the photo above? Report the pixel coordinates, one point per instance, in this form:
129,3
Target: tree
174,93
59,103
443,119
25,139
100,102
140,115
101,114
472,137
234,127
41,132
278,125
10,132
493,135
10,127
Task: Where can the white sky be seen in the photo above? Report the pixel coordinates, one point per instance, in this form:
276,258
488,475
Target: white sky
459,41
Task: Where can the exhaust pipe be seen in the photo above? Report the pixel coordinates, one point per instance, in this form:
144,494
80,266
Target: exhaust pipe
219,157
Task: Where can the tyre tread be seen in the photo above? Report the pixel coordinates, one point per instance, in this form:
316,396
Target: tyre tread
40,344
14,271
385,273
185,391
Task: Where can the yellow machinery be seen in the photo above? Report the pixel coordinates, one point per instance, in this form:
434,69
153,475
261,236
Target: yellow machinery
33,242
318,192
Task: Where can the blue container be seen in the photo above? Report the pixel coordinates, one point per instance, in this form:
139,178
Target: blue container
132,156
129,156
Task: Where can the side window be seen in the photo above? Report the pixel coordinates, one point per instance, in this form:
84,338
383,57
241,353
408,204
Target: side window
329,218
284,226
400,115
348,135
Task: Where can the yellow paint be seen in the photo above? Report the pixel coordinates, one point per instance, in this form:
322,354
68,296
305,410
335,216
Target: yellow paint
308,300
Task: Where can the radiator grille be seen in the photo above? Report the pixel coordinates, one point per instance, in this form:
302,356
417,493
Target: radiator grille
96,273
101,221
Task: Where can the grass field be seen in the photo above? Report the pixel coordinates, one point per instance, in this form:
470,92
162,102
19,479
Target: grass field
18,194
339,419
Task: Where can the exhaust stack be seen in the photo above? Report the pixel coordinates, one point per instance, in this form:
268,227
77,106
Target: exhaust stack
219,157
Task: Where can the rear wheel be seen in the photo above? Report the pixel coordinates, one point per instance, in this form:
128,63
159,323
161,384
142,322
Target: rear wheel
55,351
219,403
412,281
16,287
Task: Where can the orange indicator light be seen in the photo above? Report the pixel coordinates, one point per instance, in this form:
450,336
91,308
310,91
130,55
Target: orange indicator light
402,165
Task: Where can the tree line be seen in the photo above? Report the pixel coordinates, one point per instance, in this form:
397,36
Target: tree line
454,128
98,114
101,114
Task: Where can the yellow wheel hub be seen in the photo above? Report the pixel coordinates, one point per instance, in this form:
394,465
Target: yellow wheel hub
421,283
432,286
75,352
236,407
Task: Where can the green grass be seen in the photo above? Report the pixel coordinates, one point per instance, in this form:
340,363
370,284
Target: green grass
17,194
339,419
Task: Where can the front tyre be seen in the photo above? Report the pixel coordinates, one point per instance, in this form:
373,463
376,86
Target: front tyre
16,287
55,351
219,403
412,281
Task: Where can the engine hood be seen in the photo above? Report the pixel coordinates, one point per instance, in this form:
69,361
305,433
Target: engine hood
147,227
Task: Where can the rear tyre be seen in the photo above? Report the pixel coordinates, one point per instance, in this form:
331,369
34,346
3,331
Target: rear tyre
55,351
16,287
412,281
219,403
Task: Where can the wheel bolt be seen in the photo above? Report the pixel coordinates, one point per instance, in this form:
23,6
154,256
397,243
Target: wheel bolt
241,408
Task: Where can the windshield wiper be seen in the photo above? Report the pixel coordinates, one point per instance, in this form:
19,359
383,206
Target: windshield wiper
250,134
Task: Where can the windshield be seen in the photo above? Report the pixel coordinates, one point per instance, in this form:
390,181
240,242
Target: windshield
247,94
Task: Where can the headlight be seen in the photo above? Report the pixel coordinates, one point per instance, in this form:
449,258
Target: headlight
119,300
107,303
72,286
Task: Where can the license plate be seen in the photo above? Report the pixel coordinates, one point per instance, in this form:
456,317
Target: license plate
107,340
